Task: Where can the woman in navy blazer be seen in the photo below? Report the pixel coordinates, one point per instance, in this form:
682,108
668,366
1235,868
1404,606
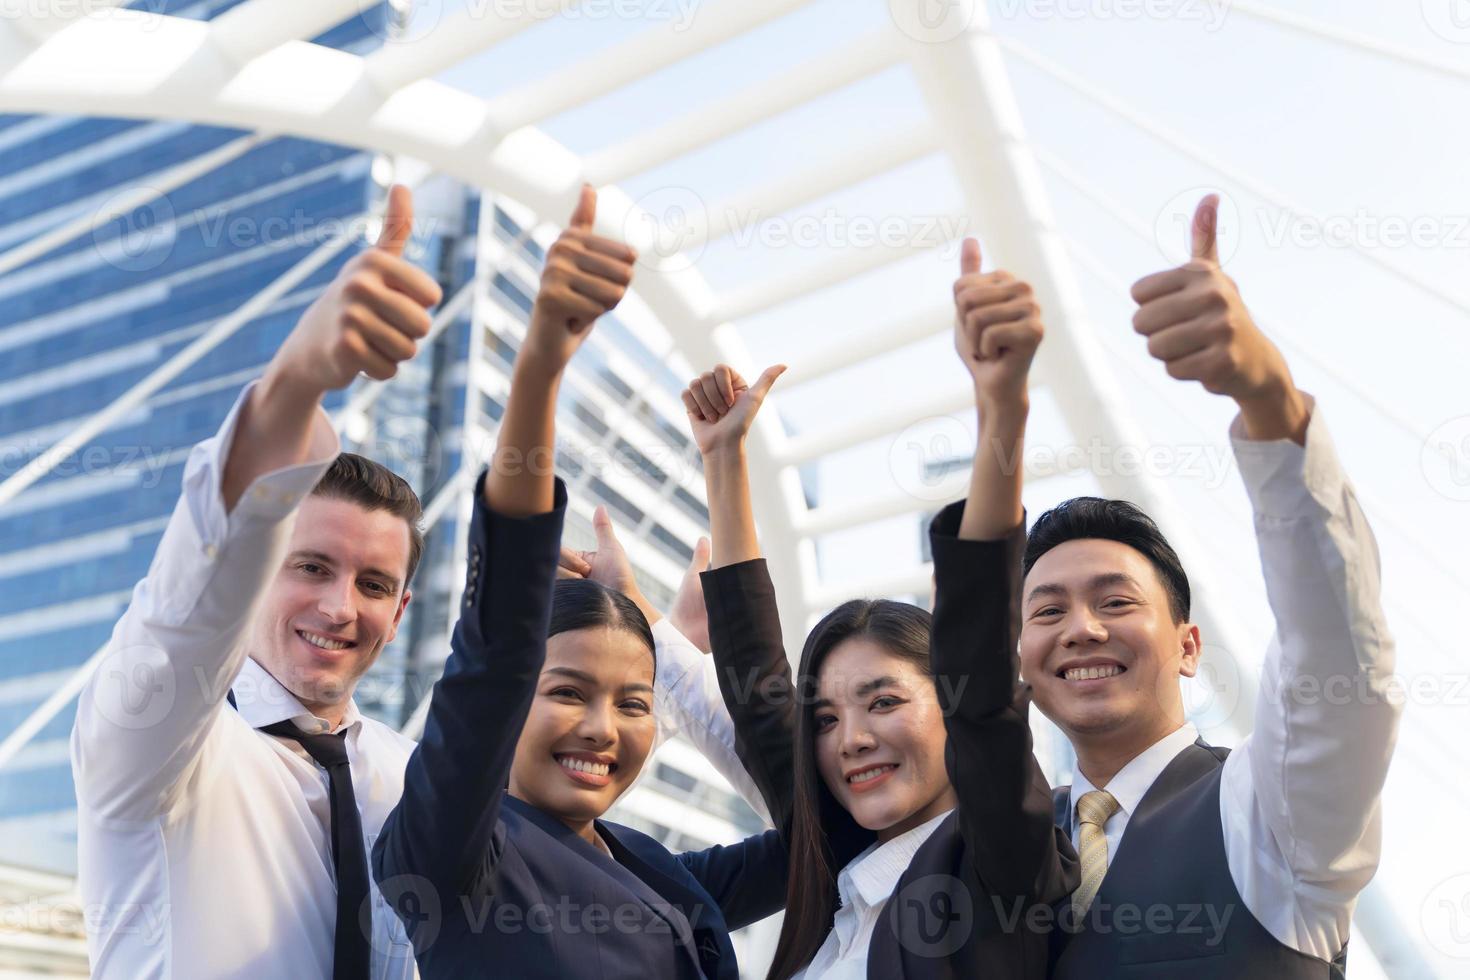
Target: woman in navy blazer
909,739
496,857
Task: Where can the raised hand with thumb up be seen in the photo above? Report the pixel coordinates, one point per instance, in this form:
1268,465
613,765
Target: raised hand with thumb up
722,406
1197,324
370,319
585,276
997,330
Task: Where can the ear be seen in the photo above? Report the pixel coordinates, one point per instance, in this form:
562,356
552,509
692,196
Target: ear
1190,648
398,616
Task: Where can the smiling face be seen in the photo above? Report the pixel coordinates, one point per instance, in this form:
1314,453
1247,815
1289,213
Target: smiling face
880,738
335,602
1100,646
590,727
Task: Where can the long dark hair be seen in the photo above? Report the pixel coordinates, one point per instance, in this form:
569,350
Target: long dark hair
811,887
579,603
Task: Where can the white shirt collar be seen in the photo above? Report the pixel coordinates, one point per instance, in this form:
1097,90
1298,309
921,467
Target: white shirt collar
262,700
872,875
1133,780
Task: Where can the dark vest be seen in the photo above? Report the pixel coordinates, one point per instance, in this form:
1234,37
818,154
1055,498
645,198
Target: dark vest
1168,907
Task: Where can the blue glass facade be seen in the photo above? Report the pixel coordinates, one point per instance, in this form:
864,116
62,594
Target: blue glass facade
83,324
86,322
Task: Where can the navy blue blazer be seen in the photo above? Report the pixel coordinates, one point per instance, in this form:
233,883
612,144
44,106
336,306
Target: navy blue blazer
489,886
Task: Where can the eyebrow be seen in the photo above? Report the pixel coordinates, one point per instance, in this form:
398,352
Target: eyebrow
862,690
1103,581
588,679
321,558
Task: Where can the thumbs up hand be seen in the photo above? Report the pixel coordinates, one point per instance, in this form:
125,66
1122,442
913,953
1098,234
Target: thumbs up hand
585,276
371,317
997,330
722,406
1198,325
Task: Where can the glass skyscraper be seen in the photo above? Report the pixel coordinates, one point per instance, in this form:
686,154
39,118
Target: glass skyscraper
82,325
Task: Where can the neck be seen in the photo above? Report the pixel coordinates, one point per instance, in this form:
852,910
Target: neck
583,829
1101,756
332,714
942,803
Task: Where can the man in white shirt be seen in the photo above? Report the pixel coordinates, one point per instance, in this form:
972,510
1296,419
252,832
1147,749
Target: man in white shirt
1195,859
206,847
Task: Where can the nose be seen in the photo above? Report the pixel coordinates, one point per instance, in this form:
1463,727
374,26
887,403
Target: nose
338,600
1082,628
854,738
597,726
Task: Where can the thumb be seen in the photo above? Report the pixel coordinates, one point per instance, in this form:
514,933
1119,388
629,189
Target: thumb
700,561
768,377
586,212
602,526
970,257
397,220
1202,235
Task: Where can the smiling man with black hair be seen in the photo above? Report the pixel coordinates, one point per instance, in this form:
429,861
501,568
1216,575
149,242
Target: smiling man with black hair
1194,858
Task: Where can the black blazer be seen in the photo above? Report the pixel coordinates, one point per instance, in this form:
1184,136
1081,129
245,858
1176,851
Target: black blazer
975,901
489,886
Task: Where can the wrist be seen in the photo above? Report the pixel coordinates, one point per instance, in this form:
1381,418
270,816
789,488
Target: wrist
283,386
1277,412
534,367
1003,413
725,454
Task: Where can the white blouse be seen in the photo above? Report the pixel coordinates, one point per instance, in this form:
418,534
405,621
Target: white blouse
863,887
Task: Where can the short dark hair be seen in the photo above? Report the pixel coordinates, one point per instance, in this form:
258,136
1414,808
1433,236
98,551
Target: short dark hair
1112,520
579,603
372,486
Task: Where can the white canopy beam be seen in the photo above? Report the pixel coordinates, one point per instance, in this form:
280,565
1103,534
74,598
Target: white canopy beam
887,419
720,119
251,29
466,32
621,64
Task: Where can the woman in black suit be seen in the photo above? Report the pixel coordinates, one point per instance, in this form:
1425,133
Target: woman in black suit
911,741
496,857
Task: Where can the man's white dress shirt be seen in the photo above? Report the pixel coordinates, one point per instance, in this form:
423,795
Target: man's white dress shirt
1299,798
204,846
863,888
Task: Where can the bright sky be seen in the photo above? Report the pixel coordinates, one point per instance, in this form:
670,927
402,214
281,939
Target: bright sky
1376,146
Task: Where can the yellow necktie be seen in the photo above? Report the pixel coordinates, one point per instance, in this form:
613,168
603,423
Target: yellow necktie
1093,811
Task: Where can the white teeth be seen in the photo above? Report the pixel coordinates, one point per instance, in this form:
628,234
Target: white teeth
577,765
1093,673
322,641
867,774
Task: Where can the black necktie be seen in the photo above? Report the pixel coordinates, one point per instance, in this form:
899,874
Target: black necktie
351,953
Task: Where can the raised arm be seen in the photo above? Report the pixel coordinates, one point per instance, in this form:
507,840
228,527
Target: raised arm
146,714
1004,802
744,624
1302,793
444,827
